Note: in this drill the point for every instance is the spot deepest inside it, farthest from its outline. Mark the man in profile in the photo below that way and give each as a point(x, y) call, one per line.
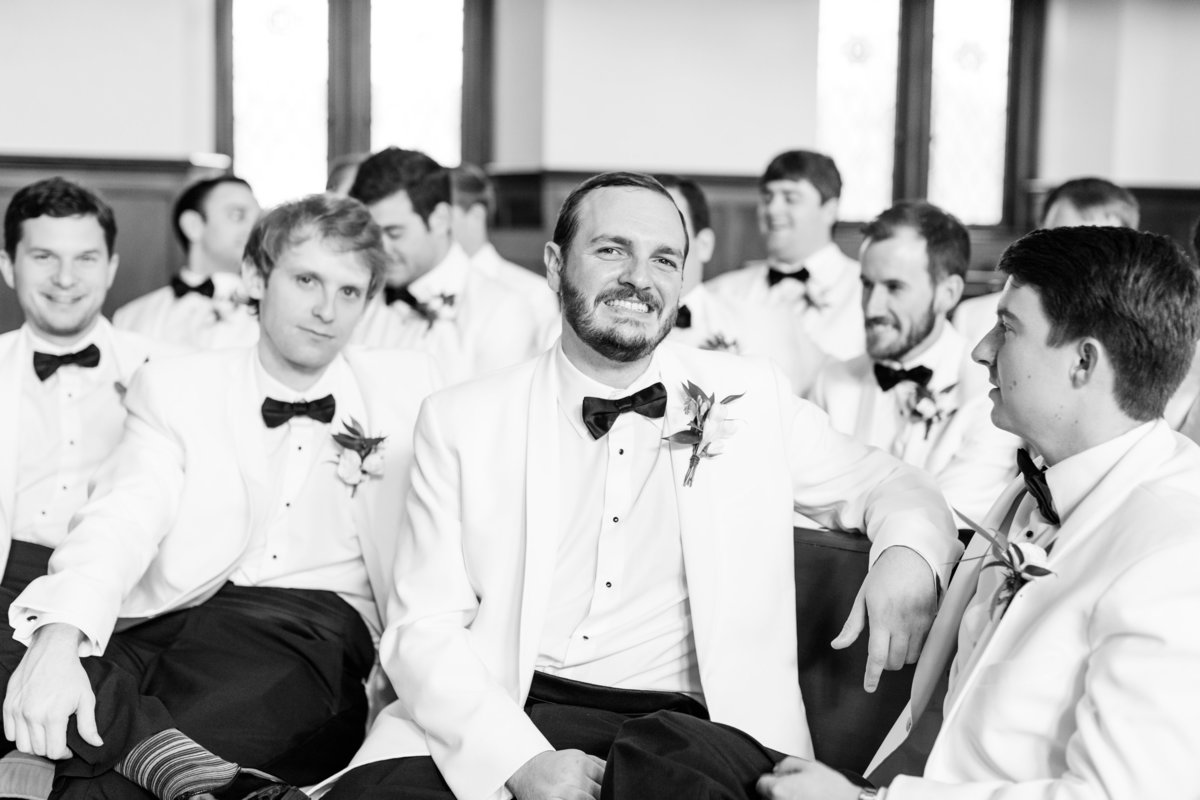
point(577, 553)
point(909, 394)
point(204, 306)
point(805, 272)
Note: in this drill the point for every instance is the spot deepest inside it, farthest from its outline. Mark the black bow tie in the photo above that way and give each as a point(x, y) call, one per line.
point(1035, 482)
point(393, 293)
point(889, 377)
point(276, 412)
point(774, 276)
point(684, 318)
point(180, 287)
point(45, 364)
point(599, 414)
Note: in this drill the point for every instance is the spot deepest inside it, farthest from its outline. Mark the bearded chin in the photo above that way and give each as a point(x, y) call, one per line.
point(619, 343)
point(918, 333)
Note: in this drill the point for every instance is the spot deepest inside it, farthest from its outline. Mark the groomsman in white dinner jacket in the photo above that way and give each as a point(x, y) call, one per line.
point(1076, 680)
point(561, 557)
point(204, 305)
point(247, 524)
point(468, 322)
point(910, 394)
point(63, 374)
point(805, 274)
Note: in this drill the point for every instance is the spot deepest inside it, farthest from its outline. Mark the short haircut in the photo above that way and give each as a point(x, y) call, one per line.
point(193, 199)
point(344, 223)
point(1136, 293)
point(697, 202)
point(805, 165)
point(946, 239)
point(395, 170)
point(470, 186)
point(1096, 194)
point(55, 197)
point(567, 224)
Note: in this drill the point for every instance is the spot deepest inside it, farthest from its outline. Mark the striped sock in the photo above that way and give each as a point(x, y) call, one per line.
point(171, 766)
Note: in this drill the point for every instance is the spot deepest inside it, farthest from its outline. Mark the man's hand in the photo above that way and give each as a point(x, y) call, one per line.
point(797, 779)
point(45, 690)
point(899, 597)
point(558, 775)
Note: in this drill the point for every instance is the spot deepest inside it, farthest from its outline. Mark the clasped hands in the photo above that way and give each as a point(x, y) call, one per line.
point(558, 775)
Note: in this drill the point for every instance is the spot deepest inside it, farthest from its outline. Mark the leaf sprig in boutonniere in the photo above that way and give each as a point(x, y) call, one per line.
point(709, 424)
point(360, 458)
point(718, 341)
point(928, 406)
point(437, 307)
point(1021, 562)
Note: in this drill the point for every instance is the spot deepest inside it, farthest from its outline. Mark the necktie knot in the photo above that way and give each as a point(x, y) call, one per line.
point(1037, 486)
point(276, 412)
point(599, 414)
point(888, 377)
point(46, 364)
point(774, 276)
point(181, 287)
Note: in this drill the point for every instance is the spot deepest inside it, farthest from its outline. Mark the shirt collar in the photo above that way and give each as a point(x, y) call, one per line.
point(943, 356)
point(1071, 479)
point(333, 377)
point(826, 266)
point(448, 277)
point(100, 335)
point(573, 386)
point(225, 284)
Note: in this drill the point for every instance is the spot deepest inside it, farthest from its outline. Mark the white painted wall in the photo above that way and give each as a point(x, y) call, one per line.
point(701, 86)
point(115, 78)
point(1119, 92)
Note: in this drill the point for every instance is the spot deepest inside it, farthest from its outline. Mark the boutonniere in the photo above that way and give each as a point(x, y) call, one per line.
point(718, 342)
point(440, 306)
point(928, 406)
point(360, 458)
point(1021, 562)
point(708, 426)
point(225, 307)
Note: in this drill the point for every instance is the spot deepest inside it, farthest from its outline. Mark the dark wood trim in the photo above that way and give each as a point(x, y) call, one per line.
point(349, 77)
point(1026, 58)
point(51, 163)
point(914, 92)
point(223, 94)
point(478, 90)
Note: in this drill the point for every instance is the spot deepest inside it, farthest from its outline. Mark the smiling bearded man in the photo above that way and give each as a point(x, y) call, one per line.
point(571, 559)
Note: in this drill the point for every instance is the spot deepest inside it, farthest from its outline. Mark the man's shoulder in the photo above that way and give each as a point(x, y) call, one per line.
point(392, 365)
point(155, 297)
point(142, 347)
point(736, 281)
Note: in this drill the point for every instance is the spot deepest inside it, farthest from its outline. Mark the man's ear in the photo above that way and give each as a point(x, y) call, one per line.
point(254, 282)
point(552, 258)
point(946, 294)
point(704, 243)
point(1088, 355)
point(6, 269)
point(191, 222)
point(439, 220)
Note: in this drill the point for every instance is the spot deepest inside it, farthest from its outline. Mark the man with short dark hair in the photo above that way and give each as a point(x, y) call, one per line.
point(805, 272)
point(576, 553)
point(204, 305)
point(244, 527)
point(909, 394)
point(469, 322)
point(1070, 641)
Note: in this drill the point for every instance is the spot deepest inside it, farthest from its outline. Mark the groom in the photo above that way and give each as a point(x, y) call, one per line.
point(576, 552)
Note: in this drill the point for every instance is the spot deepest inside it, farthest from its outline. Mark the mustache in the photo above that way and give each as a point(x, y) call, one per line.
point(879, 321)
point(628, 293)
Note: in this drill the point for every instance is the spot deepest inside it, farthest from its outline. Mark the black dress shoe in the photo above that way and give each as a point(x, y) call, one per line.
point(250, 784)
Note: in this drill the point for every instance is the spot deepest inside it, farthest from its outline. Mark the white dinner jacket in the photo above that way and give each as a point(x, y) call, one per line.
point(187, 321)
point(128, 350)
point(1087, 686)
point(530, 285)
point(971, 459)
point(173, 510)
point(463, 627)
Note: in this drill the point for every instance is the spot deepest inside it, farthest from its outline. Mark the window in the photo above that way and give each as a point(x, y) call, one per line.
point(303, 81)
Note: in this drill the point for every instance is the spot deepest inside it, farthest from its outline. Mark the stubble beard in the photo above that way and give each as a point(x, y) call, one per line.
point(918, 333)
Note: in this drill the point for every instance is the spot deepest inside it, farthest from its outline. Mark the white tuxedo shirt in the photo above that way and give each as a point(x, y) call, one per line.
point(1086, 686)
point(464, 628)
point(97, 425)
point(174, 508)
point(194, 322)
point(827, 309)
point(971, 459)
point(488, 326)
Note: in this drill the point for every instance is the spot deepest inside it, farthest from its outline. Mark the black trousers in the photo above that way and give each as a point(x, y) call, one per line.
point(267, 678)
point(642, 735)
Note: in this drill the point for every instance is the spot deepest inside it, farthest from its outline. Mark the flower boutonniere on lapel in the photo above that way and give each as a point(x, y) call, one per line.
point(928, 406)
point(1021, 562)
point(440, 306)
point(360, 458)
point(708, 426)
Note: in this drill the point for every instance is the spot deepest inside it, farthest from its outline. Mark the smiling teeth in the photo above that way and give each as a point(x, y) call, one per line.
point(630, 305)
